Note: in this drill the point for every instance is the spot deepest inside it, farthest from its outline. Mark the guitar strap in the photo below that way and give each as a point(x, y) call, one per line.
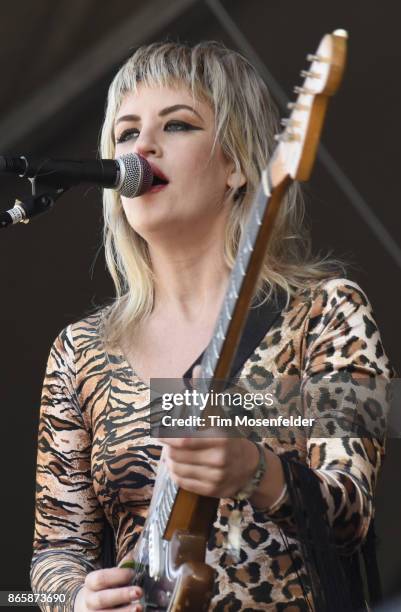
point(260, 319)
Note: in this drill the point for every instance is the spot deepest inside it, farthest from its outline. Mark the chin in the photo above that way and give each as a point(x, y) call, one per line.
point(149, 225)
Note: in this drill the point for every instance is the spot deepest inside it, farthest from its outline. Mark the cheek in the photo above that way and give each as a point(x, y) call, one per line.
point(130, 211)
point(203, 169)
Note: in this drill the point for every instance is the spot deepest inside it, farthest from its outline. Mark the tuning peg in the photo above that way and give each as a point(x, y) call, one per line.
point(309, 74)
point(303, 90)
point(287, 136)
point(286, 121)
point(311, 57)
point(297, 106)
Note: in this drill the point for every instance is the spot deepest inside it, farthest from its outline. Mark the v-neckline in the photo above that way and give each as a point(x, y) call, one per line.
point(259, 322)
point(123, 360)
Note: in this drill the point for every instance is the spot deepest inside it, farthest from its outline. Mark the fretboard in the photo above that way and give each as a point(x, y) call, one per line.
point(213, 351)
point(238, 273)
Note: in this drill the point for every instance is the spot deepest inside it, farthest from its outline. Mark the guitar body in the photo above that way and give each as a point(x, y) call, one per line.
point(183, 583)
point(169, 563)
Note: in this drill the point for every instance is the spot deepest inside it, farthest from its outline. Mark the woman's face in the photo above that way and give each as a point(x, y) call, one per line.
point(175, 133)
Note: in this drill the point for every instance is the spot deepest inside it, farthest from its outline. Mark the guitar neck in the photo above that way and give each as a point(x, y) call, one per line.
point(219, 355)
point(179, 509)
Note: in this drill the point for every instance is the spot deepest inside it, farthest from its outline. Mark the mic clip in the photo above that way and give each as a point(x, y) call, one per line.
point(42, 200)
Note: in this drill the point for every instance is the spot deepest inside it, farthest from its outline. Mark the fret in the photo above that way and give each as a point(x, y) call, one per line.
point(216, 352)
point(165, 506)
point(233, 292)
point(171, 492)
point(261, 200)
point(241, 266)
point(237, 279)
point(218, 343)
point(209, 369)
point(248, 246)
point(164, 513)
point(227, 311)
point(220, 333)
point(203, 385)
point(258, 216)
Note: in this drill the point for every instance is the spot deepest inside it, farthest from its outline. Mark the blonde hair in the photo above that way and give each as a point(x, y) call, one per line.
point(246, 121)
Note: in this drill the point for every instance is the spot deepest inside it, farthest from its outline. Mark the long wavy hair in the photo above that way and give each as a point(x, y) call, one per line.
point(245, 124)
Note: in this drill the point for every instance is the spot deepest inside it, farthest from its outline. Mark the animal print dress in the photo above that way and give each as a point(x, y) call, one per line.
point(97, 461)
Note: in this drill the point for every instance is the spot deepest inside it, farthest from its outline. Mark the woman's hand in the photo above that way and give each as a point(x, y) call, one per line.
point(106, 588)
point(215, 467)
point(221, 467)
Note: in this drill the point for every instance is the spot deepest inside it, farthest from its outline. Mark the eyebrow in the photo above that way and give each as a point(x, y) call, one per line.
point(163, 112)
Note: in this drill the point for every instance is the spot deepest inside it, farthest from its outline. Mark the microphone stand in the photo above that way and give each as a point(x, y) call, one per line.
point(42, 200)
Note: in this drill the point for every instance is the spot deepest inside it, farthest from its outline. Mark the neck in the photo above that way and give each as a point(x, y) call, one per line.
point(190, 276)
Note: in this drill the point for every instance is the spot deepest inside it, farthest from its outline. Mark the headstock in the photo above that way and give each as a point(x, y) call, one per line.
point(298, 142)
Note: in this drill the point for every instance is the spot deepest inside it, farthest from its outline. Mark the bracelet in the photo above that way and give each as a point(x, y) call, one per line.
point(276, 504)
point(255, 481)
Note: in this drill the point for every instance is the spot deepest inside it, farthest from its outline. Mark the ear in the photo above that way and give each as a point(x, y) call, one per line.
point(236, 178)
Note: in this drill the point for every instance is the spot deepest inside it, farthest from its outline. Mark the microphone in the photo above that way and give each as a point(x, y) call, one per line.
point(130, 175)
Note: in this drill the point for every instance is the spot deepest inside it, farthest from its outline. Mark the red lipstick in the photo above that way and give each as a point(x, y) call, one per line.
point(160, 181)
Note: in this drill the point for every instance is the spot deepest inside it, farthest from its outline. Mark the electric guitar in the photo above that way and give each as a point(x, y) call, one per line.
point(169, 557)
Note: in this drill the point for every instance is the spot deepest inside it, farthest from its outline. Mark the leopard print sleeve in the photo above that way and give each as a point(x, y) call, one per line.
point(344, 344)
point(343, 371)
point(68, 520)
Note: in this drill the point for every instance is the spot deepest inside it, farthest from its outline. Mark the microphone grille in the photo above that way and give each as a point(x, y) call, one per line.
point(137, 175)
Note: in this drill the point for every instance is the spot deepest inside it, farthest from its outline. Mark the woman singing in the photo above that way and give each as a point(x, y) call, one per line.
point(204, 121)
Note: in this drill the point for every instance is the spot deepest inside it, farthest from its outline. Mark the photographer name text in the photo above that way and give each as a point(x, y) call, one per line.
point(238, 421)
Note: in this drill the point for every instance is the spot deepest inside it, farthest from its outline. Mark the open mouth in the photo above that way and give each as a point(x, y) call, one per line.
point(158, 180)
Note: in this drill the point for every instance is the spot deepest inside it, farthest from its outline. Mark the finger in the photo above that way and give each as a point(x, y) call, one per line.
point(197, 472)
point(132, 607)
point(193, 443)
point(109, 598)
point(196, 376)
point(107, 578)
point(206, 489)
point(197, 372)
point(216, 457)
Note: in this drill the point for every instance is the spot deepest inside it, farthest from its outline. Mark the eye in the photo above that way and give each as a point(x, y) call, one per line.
point(127, 135)
point(179, 126)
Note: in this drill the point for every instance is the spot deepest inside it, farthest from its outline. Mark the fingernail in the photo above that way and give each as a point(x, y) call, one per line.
point(134, 592)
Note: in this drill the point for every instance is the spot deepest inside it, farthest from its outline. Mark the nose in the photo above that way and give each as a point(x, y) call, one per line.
point(147, 144)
